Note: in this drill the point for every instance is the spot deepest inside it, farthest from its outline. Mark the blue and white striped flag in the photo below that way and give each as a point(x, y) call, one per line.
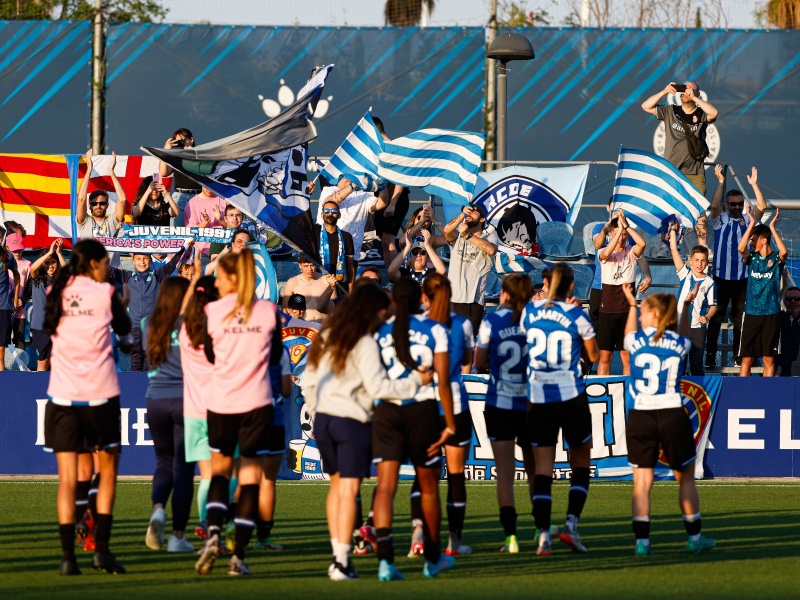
point(357, 157)
point(442, 162)
point(649, 188)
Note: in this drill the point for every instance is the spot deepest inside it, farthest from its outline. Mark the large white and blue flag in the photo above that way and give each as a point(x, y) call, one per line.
point(649, 189)
point(357, 157)
point(443, 162)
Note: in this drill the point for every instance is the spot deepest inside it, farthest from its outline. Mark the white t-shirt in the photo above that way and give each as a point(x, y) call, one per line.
point(619, 268)
point(355, 210)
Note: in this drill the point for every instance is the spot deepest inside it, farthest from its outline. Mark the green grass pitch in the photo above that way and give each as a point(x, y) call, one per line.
point(756, 526)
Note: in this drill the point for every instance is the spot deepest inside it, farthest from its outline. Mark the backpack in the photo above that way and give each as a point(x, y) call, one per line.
point(698, 149)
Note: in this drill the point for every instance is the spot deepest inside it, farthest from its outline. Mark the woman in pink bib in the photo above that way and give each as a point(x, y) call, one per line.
point(241, 332)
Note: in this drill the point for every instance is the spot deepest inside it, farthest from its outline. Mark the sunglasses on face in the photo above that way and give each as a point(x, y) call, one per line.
point(330, 211)
point(735, 204)
point(98, 203)
point(792, 298)
point(418, 251)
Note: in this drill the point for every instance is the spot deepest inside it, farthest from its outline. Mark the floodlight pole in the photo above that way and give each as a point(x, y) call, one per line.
point(502, 111)
point(98, 81)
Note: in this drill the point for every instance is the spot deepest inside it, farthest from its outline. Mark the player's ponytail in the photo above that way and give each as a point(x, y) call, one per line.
point(437, 288)
point(406, 294)
point(519, 288)
point(243, 267)
point(559, 281)
point(161, 322)
point(80, 263)
point(194, 313)
point(666, 309)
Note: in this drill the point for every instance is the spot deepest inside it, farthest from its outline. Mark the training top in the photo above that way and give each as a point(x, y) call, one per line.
point(764, 284)
point(461, 339)
point(241, 352)
point(197, 376)
point(82, 365)
point(555, 335)
point(351, 394)
point(508, 363)
point(706, 295)
point(165, 381)
point(426, 338)
point(656, 368)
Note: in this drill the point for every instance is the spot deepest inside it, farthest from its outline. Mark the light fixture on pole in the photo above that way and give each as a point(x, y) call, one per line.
point(505, 48)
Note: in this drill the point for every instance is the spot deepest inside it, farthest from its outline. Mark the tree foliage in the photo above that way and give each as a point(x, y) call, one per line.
point(783, 14)
point(405, 13)
point(119, 11)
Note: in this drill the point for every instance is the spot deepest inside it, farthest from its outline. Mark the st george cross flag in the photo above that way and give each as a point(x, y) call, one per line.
point(357, 157)
point(262, 171)
point(649, 188)
point(442, 162)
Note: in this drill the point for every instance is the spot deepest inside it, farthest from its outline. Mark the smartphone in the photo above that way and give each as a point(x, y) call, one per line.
point(680, 87)
point(156, 177)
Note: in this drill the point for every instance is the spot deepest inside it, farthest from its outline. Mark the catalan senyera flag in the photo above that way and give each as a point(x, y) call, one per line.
point(39, 191)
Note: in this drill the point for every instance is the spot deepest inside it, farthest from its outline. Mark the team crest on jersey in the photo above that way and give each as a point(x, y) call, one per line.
point(697, 402)
point(516, 205)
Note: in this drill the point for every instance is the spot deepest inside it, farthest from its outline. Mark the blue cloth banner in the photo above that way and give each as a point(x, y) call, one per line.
point(266, 278)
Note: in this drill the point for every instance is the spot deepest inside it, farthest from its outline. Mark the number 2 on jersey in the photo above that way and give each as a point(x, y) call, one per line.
point(557, 346)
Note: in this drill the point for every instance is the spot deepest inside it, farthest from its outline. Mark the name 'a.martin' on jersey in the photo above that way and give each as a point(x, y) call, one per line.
point(656, 368)
point(426, 338)
point(555, 335)
point(508, 363)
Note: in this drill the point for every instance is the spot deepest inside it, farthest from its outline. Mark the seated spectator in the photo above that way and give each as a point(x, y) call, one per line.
point(233, 218)
point(355, 205)
point(335, 248)
point(142, 285)
point(15, 245)
point(761, 325)
point(618, 266)
point(692, 275)
point(154, 204)
point(97, 223)
point(417, 260)
point(422, 218)
point(790, 334)
point(317, 289)
point(43, 271)
point(200, 212)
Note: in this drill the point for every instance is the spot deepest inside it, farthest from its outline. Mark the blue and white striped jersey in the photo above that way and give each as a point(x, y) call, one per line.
point(727, 235)
point(555, 335)
point(461, 340)
point(508, 363)
point(426, 338)
point(656, 368)
point(706, 294)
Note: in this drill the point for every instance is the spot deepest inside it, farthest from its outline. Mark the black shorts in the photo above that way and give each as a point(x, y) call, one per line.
point(5, 326)
point(463, 434)
point(595, 299)
point(42, 343)
point(504, 425)
point(83, 428)
point(406, 432)
point(393, 224)
point(670, 427)
point(276, 444)
point(250, 430)
point(760, 335)
point(611, 331)
point(572, 417)
point(345, 445)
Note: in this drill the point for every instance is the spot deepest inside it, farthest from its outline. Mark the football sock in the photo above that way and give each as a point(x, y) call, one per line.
point(217, 505)
point(103, 532)
point(245, 519)
point(542, 501)
point(81, 499)
point(692, 523)
point(264, 528)
point(578, 491)
point(385, 548)
point(641, 528)
point(508, 519)
point(67, 534)
point(341, 553)
point(93, 494)
point(456, 502)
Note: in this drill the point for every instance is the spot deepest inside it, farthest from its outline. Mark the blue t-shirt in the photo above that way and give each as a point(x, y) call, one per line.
point(426, 338)
point(508, 363)
point(6, 296)
point(763, 284)
point(555, 335)
point(461, 340)
point(656, 369)
point(38, 302)
point(166, 381)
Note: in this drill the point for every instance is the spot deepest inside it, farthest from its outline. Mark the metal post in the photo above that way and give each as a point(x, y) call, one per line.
point(98, 81)
point(491, 91)
point(502, 107)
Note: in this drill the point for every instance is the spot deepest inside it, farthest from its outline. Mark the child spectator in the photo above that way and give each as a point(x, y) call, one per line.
point(15, 246)
point(9, 297)
point(143, 284)
point(43, 271)
point(618, 264)
point(761, 325)
point(704, 305)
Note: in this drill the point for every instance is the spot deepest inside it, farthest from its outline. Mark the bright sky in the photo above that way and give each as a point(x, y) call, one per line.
point(369, 13)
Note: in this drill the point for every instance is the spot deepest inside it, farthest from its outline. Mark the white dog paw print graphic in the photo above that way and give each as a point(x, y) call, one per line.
point(286, 96)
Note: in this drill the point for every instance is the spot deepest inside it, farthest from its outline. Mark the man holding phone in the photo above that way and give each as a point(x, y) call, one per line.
point(685, 129)
point(184, 188)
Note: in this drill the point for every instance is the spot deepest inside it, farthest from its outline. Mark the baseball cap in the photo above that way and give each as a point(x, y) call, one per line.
point(297, 301)
point(14, 242)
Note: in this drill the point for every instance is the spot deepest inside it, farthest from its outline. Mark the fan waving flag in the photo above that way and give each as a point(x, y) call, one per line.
point(357, 157)
point(649, 188)
point(262, 171)
point(442, 162)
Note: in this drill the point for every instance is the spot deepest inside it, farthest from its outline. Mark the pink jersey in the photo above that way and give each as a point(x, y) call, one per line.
point(82, 365)
point(197, 376)
point(241, 350)
point(24, 269)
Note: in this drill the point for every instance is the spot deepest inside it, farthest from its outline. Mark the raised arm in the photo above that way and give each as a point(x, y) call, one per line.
point(394, 268)
point(122, 199)
point(198, 273)
point(650, 105)
point(599, 238)
point(706, 107)
point(719, 192)
point(677, 259)
point(437, 261)
point(761, 202)
point(450, 231)
point(631, 325)
point(782, 250)
point(83, 191)
point(37, 264)
point(744, 250)
point(138, 208)
point(638, 249)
